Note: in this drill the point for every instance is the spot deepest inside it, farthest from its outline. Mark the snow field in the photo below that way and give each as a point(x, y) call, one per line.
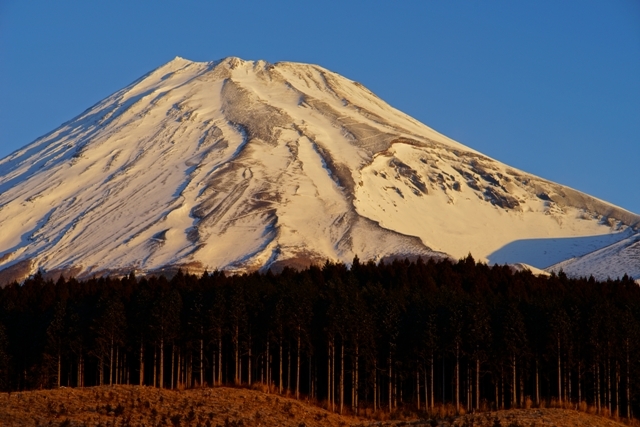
point(238, 165)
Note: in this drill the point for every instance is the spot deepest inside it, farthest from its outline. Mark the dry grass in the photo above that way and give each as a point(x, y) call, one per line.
point(147, 406)
point(234, 407)
point(535, 418)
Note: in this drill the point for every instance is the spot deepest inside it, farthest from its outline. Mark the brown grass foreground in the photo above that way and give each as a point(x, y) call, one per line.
point(147, 406)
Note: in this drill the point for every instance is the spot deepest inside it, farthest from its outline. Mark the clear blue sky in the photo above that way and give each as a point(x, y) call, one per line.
point(550, 87)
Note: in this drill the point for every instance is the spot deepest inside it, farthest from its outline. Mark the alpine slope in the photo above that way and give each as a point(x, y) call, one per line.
point(245, 165)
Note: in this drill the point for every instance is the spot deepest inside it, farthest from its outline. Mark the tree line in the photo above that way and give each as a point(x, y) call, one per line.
point(377, 336)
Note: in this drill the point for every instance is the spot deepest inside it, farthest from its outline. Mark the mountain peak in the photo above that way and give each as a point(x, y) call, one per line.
point(245, 165)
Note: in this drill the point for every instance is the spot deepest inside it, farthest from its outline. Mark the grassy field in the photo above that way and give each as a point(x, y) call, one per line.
point(147, 406)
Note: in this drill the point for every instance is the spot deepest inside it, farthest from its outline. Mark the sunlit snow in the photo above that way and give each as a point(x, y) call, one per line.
point(242, 165)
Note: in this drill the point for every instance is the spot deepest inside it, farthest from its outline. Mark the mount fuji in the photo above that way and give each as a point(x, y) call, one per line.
point(245, 165)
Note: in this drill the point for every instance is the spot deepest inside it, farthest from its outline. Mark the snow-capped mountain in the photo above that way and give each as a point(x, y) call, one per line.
point(243, 165)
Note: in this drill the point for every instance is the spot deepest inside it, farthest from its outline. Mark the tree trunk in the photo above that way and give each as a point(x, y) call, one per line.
point(477, 383)
point(220, 357)
point(155, 366)
point(426, 388)
point(81, 371)
point(173, 363)
point(443, 382)
point(162, 362)
point(179, 370)
point(356, 379)
point(267, 361)
point(579, 381)
point(141, 382)
point(628, 385)
point(597, 369)
point(432, 383)
point(569, 393)
point(457, 378)
point(609, 384)
point(312, 381)
point(537, 384)
point(329, 373)
point(375, 385)
point(390, 383)
point(353, 381)
point(117, 365)
point(514, 400)
point(280, 373)
point(288, 368)
point(617, 402)
point(333, 374)
point(298, 367)
point(559, 372)
point(521, 387)
point(418, 386)
point(59, 367)
point(502, 388)
point(101, 364)
point(111, 365)
point(395, 392)
point(471, 383)
point(469, 387)
point(201, 360)
point(341, 376)
point(236, 344)
point(249, 364)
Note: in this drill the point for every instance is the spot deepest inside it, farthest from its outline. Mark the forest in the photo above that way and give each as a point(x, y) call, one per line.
point(378, 336)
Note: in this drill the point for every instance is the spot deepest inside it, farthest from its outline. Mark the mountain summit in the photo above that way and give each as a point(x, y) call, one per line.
point(243, 165)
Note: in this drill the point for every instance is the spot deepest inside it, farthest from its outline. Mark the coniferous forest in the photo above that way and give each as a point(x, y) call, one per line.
point(384, 336)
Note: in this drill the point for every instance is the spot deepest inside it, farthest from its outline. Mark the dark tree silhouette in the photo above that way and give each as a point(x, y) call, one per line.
point(376, 336)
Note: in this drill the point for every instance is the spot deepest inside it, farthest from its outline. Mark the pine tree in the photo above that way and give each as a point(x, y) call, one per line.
point(165, 315)
point(57, 341)
point(4, 359)
point(109, 329)
point(478, 340)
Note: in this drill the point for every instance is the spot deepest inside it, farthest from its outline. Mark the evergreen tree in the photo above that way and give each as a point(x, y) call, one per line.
point(4, 359)
point(56, 343)
point(165, 315)
point(109, 331)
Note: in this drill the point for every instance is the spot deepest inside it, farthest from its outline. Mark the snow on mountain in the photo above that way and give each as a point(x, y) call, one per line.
point(242, 165)
point(607, 262)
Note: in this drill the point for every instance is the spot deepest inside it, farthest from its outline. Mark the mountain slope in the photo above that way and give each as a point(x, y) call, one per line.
point(241, 165)
point(606, 262)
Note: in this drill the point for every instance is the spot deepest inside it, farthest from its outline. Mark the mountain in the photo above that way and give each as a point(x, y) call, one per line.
point(607, 262)
point(244, 165)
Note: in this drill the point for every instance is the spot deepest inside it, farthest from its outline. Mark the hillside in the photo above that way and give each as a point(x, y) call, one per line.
point(145, 406)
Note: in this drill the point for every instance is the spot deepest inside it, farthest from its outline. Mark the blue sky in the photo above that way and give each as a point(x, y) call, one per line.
point(550, 87)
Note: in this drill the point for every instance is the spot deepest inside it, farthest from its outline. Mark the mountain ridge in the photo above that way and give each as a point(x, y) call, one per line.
point(245, 165)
